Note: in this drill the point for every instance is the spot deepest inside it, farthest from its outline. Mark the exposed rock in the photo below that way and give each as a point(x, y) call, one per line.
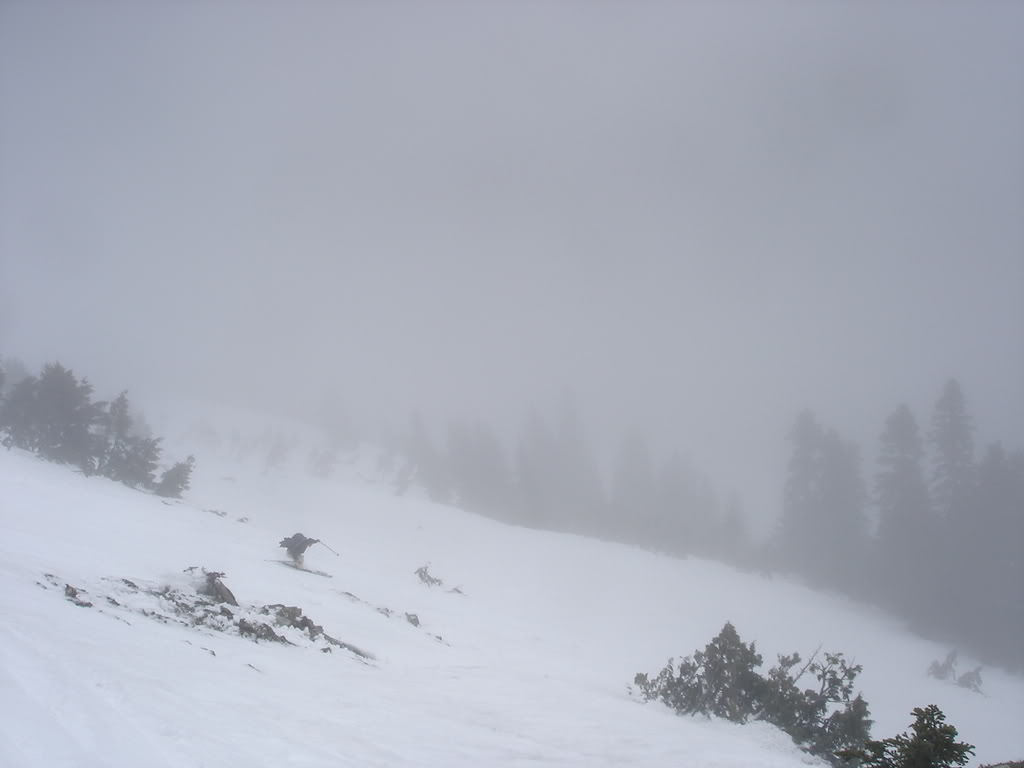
point(71, 593)
point(260, 631)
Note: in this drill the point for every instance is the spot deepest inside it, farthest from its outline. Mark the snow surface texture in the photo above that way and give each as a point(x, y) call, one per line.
point(529, 664)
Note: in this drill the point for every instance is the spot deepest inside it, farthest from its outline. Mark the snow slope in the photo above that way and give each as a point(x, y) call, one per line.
point(530, 666)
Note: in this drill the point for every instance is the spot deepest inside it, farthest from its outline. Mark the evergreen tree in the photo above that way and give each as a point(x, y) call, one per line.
point(479, 470)
point(932, 745)
point(795, 534)
point(535, 459)
point(14, 371)
point(843, 548)
point(176, 480)
point(634, 504)
point(19, 415)
point(953, 490)
point(734, 544)
point(128, 456)
point(823, 531)
point(684, 530)
point(723, 680)
point(141, 462)
point(952, 445)
point(905, 542)
point(66, 416)
point(1014, 518)
point(993, 616)
point(117, 425)
point(576, 481)
point(428, 463)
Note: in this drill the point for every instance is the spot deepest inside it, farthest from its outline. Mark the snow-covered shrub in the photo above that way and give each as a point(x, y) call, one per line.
point(932, 745)
point(722, 680)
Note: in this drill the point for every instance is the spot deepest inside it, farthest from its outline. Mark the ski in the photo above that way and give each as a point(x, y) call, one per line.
point(294, 567)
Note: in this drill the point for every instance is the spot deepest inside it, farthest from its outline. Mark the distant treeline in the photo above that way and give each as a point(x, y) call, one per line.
point(936, 537)
point(552, 480)
point(947, 552)
point(54, 416)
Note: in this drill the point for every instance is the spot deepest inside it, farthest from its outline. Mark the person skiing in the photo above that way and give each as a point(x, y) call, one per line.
point(296, 546)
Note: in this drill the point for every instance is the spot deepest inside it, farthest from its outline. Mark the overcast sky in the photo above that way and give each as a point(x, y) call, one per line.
point(698, 217)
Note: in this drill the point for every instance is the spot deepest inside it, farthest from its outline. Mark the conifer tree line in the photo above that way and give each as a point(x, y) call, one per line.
point(551, 479)
point(946, 547)
point(933, 533)
point(54, 416)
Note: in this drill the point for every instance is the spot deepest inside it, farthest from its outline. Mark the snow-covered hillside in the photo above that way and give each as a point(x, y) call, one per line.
point(529, 663)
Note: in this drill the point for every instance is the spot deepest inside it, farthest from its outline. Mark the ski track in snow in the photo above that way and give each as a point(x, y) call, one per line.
point(532, 668)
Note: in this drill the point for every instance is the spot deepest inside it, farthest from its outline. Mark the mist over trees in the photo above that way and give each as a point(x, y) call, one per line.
point(946, 550)
point(54, 416)
point(935, 536)
point(551, 478)
point(928, 530)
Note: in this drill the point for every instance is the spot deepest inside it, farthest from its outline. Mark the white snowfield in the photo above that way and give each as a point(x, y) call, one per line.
point(530, 666)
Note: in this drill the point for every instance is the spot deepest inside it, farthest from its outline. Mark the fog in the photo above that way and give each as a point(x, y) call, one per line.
point(696, 218)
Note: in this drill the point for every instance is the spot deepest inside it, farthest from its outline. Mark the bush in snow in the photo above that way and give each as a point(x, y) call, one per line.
point(722, 680)
point(932, 745)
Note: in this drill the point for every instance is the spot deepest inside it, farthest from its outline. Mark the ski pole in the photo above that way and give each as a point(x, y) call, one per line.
point(335, 553)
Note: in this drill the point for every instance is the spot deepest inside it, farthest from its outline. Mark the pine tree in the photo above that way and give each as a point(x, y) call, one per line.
point(576, 481)
point(795, 533)
point(905, 543)
point(823, 530)
point(117, 425)
point(686, 527)
point(932, 745)
point(176, 480)
point(952, 443)
point(534, 475)
point(633, 498)
point(428, 463)
point(479, 470)
point(993, 617)
point(13, 371)
point(843, 547)
point(734, 538)
point(141, 462)
point(953, 490)
point(19, 415)
point(66, 416)
point(128, 456)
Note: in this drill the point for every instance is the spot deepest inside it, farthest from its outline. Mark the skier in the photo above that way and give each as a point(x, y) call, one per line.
point(296, 545)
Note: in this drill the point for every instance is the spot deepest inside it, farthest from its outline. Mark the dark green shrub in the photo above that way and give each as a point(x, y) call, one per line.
point(932, 745)
point(722, 680)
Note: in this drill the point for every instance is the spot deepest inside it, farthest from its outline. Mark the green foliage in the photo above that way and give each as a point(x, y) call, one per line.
point(932, 745)
point(722, 680)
